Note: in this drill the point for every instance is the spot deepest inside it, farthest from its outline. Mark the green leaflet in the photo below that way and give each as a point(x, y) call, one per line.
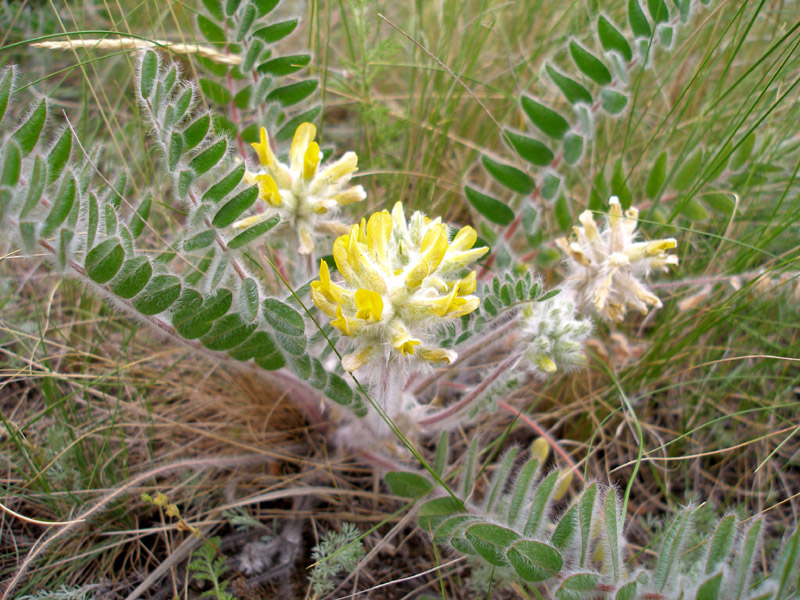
point(158, 295)
point(612, 39)
point(511, 177)
point(61, 207)
point(283, 318)
point(547, 120)
point(28, 133)
point(535, 561)
point(589, 64)
point(293, 93)
point(233, 209)
point(132, 277)
point(408, 485)
point(491, 541)
point(530, 149)
point(104, 260)
point(276, 32)
point(284, 65)
point(491, 208)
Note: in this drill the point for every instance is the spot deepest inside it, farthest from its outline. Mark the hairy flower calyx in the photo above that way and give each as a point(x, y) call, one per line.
point(605, 267)
point(303, 194)
point(400, 280)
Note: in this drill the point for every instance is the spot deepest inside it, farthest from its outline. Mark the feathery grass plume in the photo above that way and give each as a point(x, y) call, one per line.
point(304, 194)
point(605, 268)
point(136, 44)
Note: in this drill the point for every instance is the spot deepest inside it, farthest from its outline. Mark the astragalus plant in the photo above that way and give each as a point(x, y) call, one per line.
point(394, 330)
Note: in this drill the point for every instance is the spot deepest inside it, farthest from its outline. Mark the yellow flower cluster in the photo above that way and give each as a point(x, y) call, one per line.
point(302, 193)
point(400, 279)
point(604, 268)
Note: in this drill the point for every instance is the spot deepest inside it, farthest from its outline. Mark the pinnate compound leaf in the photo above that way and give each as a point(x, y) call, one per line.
point(233, 209)
point(638, 20)
point(549, 121)
point(589, 64)
point(491, 208)
point(511, 177)
point(276, 32)
point(578, 586)
point(28, 133)
point(491, 541)
point(408, 485)
point(61, 207)
point(104, 260)
point(293, 93)
point(433, 512)
point(535, 561)
point(208, 158)
point(251, 234)
point(132, 278)
point(612, 39)
point(283, 317)
point(530, 149)
point(573, 91)
point(158, 295)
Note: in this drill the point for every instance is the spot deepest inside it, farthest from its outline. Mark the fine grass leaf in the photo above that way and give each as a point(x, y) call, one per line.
point(589, 64)
point(547, 120)
point(491, 208)
point(408, 485)
point(511, 177)
point(535, 561)
point(104, 260)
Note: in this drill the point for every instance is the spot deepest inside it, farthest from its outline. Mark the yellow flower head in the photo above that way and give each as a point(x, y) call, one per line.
point(401, 278)
point(605, 267)
point(305, 195)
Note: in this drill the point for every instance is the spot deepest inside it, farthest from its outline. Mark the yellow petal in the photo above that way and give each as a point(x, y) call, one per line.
point(379, 229)
point(356, 360)
point(344, 324)
point(341, 259)
point(321, 299)
point(370, 305)
point(262, 148)
point(350, 195)
point(405, 346)
point(439, 355)
point(306, 241)
point(468, 284)
point(465, 239)
point(268, 190)
point(303, 136)
point(310, 161)
point(343, 167)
